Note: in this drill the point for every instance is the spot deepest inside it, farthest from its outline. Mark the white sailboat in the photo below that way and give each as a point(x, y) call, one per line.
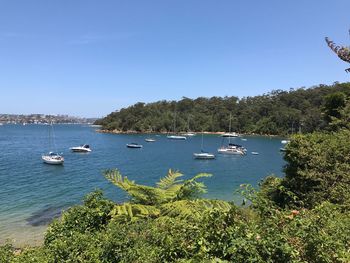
point(189, 133)
point(52, 157)
point(231, 148)
point(203, 155)
point(176, 137)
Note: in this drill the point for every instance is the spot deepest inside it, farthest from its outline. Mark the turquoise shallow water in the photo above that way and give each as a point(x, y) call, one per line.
point(32, 192)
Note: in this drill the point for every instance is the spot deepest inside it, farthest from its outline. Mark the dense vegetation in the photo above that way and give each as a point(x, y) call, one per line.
point(303, 217)
point(278, 112)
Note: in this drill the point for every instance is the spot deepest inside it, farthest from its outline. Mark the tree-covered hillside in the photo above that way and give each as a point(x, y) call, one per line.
point(278, 112)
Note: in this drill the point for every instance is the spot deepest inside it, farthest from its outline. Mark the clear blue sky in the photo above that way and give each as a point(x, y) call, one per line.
point(88, 58)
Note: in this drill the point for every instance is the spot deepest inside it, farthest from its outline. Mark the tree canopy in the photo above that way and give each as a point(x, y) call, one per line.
point(276, 113)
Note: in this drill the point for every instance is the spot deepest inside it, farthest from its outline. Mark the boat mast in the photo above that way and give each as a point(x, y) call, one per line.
point(202, 143)
point(229, 130)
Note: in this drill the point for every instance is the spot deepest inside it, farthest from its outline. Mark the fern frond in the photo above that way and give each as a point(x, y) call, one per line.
point(191, 189)
point(169, 180)
point(141, 194)
point(193, 209)
point(132, 212)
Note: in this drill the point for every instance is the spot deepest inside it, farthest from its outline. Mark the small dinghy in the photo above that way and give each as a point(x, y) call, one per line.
point(255, 153)
point(150, 140)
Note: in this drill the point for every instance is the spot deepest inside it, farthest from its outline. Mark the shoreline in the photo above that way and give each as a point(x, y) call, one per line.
point(130, 132)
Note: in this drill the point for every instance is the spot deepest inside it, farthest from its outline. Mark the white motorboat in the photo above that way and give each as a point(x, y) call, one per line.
point(176, 137)
point(134, 145)
point(285, 141)
point(81, 148)
point(255, 153)
point(150, 140)
point(53, 158)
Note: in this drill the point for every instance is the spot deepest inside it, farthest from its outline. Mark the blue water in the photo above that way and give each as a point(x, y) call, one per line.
point(32, 192)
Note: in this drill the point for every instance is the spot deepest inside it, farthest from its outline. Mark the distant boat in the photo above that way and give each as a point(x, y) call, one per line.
point(243, 139)
point(189, 134)
point(176, 137)
point(231, 148)
point(230, 134)
point(81, 148)
point(283, 149)
point(134, 145)
point(285, 141)
point(203, 155)
point(150, 140)
point(255, 153)
point(52, 157)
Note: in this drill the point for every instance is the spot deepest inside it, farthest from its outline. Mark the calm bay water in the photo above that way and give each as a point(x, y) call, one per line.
point(32, 192)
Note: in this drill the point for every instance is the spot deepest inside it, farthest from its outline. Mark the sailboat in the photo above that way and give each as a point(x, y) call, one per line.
point(189, 133)
point(231, 148)
point(203, 154)
point(52, 157)
point(176, 137)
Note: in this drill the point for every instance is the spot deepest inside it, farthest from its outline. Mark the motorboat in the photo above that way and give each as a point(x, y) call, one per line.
point(150, 140)
point(53, 158)
point(176, 137)
point(134, 145)
point(285, 141)
point(81, 148)
point(255, 153)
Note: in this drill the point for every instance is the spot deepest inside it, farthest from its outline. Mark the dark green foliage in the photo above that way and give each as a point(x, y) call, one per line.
point(92, 216)
point(278, 112)
point(6, 253)
point(333, 104)
point(318, 170)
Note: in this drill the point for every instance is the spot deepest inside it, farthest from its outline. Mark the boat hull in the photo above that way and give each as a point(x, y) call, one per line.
point(81, 150)
point(134, 146)
point(55, 161)
point(175, 137)
point(204, 156)
point(230, 152)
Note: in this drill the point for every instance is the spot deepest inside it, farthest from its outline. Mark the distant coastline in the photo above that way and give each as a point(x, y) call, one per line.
point(184, 132)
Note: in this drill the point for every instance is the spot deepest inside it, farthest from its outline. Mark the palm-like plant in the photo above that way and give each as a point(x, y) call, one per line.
point(172, 197)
